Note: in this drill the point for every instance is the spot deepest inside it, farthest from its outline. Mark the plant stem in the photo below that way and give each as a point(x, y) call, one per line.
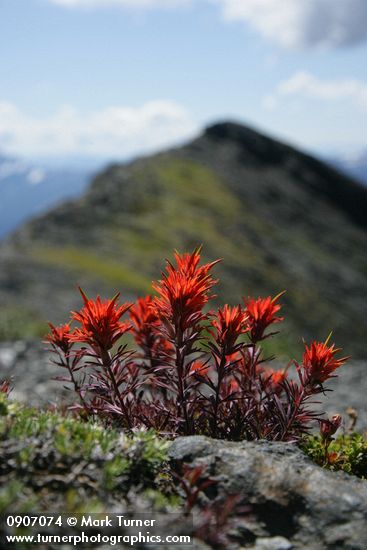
point(180, 359)
point(296, 408)
point(76, 385)
point(106, 361)
point(220, 377)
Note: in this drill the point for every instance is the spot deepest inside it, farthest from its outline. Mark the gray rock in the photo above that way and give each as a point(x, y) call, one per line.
point(30, 368)
point(273, 543)
point(295, 503)
point(349, 390)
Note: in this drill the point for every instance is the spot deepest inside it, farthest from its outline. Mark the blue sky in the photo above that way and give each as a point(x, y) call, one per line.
point(104, 79)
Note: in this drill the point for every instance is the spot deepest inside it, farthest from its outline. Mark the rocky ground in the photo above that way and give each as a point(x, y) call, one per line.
point(30, 366)
point(294, 504)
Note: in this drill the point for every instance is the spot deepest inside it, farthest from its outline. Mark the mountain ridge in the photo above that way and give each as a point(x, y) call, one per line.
point(346, 197)
point(355, 166)
point(278, 217)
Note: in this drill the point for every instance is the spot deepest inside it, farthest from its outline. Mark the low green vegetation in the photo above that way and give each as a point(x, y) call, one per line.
point(97, 267)
point(18, 323)
point(347, 453)
point(49, 457)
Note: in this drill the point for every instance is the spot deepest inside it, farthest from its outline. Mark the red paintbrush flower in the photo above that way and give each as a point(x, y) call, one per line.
point(233, 385)
point(100, 322)
point(319, 362)
point(261, 313)
point(144, 320)
point(60, 337)
point(229, 324)
point(188, 264)
point(198, 367)
point(184, 290)
point(274, 379)
point(146, 331)
point(329, 427)
point(5, 387)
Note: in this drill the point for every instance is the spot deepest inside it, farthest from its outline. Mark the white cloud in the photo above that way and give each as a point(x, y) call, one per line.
point(305, 85)
point(302, 23)
point(116, 131)
point(290, 23)
point(11, 167)
point(36, 176)
point(136, 4)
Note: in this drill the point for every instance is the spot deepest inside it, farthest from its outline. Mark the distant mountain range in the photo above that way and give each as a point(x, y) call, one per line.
point(279, 218)
point(27, 190)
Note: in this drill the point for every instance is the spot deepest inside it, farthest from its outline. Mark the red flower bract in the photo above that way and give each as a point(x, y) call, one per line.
point(274, 379)
point(184, 290)
point(59, 337)
point(5, 387)
point(319, 362)
point(198, 367)
point(100, 322)
point(261, 313)
point(229, 324)
point(329, 427)
point(145, 328)
point(144, 320)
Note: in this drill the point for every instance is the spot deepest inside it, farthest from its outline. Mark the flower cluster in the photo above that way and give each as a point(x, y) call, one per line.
point(59, 337)
point(319, 362)
point(183, 291)
point(195, 370)
point(229, 324)
point(100, 324)
point(261, 314)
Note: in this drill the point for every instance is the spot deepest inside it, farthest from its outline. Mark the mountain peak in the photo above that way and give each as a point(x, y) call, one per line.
point(280, 218)
point(251, 141)
point(229, 129)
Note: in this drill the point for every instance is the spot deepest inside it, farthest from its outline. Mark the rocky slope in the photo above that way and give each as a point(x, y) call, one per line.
point(280, 220)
